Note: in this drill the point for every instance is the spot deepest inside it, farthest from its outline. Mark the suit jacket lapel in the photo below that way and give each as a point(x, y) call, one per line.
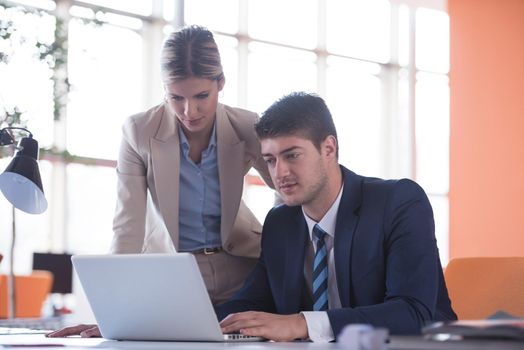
point(165, 155)
point(230, 170)
point(347, 220)
point(296, 242)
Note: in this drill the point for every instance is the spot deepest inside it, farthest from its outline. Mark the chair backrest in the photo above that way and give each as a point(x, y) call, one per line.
point(479, 287)
point(30, 293)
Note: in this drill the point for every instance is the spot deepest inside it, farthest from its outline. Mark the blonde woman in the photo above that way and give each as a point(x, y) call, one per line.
point(181, 170)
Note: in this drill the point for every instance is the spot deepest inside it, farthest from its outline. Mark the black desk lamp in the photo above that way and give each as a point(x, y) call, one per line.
point(22, 186)
point(20, 182)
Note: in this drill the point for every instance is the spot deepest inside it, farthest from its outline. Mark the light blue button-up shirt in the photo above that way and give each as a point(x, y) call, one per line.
point(199, 200)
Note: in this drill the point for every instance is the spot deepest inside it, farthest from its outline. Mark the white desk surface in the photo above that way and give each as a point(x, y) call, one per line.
point(38, 342)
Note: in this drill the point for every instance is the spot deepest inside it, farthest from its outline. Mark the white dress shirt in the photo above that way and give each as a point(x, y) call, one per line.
point(318, 325)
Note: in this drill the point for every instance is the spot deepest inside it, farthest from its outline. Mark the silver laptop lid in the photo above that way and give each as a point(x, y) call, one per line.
point(148, 297)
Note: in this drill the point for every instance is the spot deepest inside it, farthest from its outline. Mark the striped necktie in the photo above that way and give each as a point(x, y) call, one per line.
point(320, 272)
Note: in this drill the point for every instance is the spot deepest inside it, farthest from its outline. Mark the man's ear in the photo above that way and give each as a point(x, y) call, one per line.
point(330, 146)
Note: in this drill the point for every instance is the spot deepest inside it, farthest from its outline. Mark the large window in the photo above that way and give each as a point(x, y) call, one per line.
point(381, 66)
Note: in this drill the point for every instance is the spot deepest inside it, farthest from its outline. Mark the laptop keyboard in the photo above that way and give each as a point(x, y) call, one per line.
point(241, 337)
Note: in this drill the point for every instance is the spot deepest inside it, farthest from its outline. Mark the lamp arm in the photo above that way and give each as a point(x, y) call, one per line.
point(7, 139)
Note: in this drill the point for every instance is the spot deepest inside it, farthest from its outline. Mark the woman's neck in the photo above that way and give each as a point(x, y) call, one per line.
point(198, 142)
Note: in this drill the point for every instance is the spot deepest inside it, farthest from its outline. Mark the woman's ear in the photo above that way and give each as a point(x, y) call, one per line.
point(221, 83)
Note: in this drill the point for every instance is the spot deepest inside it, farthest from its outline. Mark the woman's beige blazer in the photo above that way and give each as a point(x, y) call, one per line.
point(146, 218)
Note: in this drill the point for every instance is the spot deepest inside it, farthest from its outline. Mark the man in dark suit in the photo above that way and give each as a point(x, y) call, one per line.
point(343, 249)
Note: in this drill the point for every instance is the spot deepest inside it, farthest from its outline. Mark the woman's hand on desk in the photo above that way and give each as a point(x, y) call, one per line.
point(83, 330)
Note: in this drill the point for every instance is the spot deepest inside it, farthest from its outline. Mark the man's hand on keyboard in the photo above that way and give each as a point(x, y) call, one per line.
point(266, 325)
point(83, 330)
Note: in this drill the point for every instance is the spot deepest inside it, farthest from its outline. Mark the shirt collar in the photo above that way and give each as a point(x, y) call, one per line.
point(329, 221)
point(212, 137)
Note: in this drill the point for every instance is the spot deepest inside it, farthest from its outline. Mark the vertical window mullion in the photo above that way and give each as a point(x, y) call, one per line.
point(412, 80)
point(243, 54)
point(321, 48)
point(178, 16)
point(58, 193)
point(152, 40)
point(390, 113)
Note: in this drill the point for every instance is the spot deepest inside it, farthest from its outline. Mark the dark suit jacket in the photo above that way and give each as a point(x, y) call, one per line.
point(386, 259)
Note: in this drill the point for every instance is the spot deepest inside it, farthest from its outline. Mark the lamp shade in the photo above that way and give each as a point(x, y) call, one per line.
point(21, 183)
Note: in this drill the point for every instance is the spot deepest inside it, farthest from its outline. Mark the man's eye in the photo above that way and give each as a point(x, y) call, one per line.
point(269, 161)
point(292, 156)
point(176, 98)
point(202, 96)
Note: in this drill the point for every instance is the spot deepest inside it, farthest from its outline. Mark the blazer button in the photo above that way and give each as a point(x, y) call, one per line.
point(230, 247)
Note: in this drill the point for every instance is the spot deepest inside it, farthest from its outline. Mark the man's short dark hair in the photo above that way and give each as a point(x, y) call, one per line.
point(301, 114)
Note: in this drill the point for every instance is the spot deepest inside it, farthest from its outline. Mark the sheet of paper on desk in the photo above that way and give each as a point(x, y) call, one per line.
point(31, 346)
point(492, 328)
point(13, 331)
point(39, 340)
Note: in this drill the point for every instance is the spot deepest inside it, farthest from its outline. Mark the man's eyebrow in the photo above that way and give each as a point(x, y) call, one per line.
point(292, 148)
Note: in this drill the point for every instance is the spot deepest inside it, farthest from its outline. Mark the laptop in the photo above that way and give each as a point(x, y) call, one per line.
point(150, 297)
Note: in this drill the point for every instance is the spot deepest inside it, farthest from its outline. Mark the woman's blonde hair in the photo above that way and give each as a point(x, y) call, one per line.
point(190, 52)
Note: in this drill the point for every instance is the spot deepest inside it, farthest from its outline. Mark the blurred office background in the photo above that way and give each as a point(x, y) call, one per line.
point(383, 67)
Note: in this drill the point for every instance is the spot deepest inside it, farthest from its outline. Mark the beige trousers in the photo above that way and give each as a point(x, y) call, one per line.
point(223, 274)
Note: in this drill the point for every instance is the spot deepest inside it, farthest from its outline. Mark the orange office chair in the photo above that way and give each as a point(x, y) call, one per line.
point(479, 287)
point(30, 293)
